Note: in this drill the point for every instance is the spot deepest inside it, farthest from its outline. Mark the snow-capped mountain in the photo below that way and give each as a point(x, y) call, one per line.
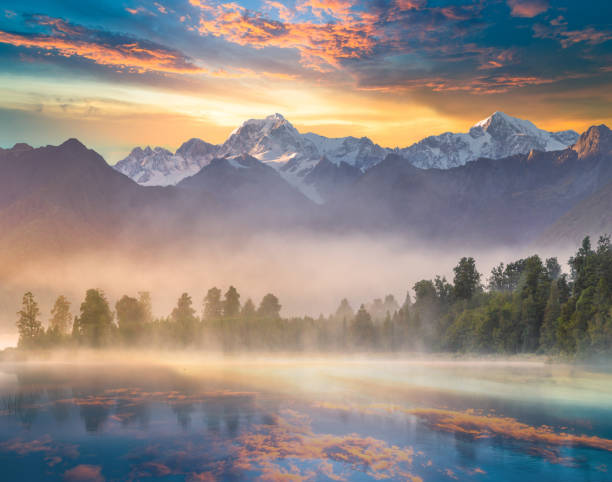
point(160, 167)
point(495, 137)
point(274, 141)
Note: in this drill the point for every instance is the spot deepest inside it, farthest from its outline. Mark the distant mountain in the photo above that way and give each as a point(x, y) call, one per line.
point(495, 137)
point(160, 167)
point(245, 184)
point(506, 201)
point(60, 196)
point(295, 156)
point(275, 141)
point(53, 195)
point(593, 215)
point(63, 198)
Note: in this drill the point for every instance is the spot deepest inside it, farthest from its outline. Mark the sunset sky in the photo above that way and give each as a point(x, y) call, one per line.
point(117, 74)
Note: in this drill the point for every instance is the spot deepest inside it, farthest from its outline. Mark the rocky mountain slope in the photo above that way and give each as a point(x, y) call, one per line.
point(295, 156)
point(495, 137)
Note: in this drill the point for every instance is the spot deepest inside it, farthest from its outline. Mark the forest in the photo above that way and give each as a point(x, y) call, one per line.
point(526, 306)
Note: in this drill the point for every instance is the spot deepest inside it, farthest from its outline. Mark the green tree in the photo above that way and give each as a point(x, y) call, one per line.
point(231, 303)
point(467, 278)
point(131, 317)
point(363, 328)
point(269, 307)
point(213, 306)
point(552, 312)
point(185, 320)
point(95, 323)
point(29, 326)
point(553, 268)
point(61, 319)
point(344, 312)
point(248, 310)
point(144, 298)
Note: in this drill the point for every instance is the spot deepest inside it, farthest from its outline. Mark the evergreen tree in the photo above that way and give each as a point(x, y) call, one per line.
point(552, 312)
point(131, 317)
point(344, 311)
point(61, 319)
point(553, 268)
point(467, 278)
point(144, 298)
point(96, 319)
point(231, 303)
point(213, 306)
point(269, 307)
point(185, 320)
point(248, 310)
point(28, 325)
point(363, 328)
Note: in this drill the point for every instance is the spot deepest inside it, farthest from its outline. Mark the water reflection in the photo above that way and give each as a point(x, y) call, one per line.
point(133, 423)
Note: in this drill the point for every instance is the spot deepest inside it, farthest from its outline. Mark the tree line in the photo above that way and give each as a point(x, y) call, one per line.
point(526, 306)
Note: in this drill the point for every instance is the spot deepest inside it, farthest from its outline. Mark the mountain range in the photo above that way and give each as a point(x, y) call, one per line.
point(61, 198)
point(316, 165)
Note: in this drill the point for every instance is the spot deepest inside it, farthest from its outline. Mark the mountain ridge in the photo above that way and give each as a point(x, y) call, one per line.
point(274, 140)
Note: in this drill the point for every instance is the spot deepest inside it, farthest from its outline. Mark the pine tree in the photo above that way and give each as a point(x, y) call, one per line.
point(96, 319)
point(467, 278)
point(131, 315)
point(248, 310)
point(548, 333)
point(61, 318)
point(185, 320)
point(28, 324)
point(231, 303)
point(269, 307)
point(213, 307)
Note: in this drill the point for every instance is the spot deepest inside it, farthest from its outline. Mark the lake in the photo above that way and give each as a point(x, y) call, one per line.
point(304, 419)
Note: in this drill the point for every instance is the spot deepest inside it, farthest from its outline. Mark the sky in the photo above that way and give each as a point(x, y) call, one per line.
point(117, 74)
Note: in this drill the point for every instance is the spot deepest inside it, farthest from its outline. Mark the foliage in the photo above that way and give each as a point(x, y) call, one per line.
point(528, 306)
point(29, 326)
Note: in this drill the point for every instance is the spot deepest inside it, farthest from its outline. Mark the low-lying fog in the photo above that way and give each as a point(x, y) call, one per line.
point(310, 275)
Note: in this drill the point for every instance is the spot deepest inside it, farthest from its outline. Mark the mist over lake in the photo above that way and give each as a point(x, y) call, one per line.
point(304, 418)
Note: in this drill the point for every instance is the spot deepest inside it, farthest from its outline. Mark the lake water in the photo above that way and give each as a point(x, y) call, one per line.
point(329, 419)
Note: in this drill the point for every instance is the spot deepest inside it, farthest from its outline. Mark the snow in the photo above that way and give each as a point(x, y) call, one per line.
point(274, 141)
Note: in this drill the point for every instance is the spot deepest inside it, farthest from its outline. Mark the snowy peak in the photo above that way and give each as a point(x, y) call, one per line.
point(273, 140)
point(160, 167)
point(495, 137)
point(196, 149)
point(499, 121)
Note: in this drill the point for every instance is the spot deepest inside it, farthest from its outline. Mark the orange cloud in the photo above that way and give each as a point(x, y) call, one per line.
point(292, 438)
point(283, 12)
point(90, 473)
point(320, 45)
point(485, 426)
point(567, 38)
point(409, 4)
point(527, 8)
point(479, 426)
point(68, 40)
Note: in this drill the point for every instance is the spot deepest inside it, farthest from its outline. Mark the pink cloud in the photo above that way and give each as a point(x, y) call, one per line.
point(527, 8)
point(90, 473)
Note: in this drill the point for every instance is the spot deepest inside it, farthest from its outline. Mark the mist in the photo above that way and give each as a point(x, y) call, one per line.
point(309, 273)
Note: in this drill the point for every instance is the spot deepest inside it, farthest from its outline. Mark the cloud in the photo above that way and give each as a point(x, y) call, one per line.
point(567, 37)
point(90, 473)
point(291, 437)
point(104, 48)
point(527, 8)
point(321, 45)
point(487, 426)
